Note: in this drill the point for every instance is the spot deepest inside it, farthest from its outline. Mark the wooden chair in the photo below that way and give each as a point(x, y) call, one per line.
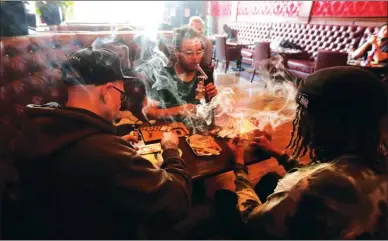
point(261, 54)
point(226, 53)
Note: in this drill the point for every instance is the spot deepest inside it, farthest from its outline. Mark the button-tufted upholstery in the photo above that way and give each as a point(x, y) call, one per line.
point(311, 38)
point(95, 27)
point(251, 32)
point(29, 73)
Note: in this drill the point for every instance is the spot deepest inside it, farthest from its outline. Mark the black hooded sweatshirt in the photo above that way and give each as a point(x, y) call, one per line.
point(79, 180)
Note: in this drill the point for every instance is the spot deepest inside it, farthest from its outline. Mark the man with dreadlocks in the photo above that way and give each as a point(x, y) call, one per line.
point(342, 193)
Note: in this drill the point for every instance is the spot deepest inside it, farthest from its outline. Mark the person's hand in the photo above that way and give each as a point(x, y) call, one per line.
point(169, 141)
point(211, 90)
point(258, 133)
point(237, 145)
point(263, 143)
point(131, 138)
point(188, 109)
point(372, 39)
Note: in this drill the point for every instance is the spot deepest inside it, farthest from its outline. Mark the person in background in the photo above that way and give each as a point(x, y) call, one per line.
point(78, 179)
point(13, 19)
point(198, 25)
point(342, 193)
point(376, 47)
point(173, 90)
point(230, 34)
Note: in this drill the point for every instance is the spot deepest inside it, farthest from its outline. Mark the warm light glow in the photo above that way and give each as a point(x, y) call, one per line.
point(140, 13)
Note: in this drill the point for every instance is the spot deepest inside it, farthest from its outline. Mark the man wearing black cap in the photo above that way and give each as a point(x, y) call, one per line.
point(78, 179)
point(343, 193)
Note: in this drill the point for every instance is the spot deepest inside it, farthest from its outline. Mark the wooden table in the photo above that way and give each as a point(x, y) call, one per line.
point(243, 44)
point(380, 70)
point(201, 167)
point(238, 44)
point(286, 52)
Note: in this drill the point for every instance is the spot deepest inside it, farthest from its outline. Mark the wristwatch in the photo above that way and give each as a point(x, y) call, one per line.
point(238, 166)
point(169, 145)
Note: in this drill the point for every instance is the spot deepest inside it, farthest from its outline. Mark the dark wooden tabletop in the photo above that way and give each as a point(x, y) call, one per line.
point(202, 167)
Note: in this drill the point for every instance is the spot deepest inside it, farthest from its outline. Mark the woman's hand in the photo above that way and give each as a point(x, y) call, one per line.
point(372, 39)
point(211, 91)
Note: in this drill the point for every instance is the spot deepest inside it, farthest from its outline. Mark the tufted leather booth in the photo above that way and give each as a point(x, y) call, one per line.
point(29, 73)
point(311, 38)
point(251, 32)
point(95, 27)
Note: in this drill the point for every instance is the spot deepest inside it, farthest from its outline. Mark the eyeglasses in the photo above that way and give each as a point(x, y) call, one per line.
point(190, 53)
point(123, 96)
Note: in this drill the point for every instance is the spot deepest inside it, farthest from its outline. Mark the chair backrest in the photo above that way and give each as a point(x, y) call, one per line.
point(326, 59)
point(262, 53)
point(220, 47)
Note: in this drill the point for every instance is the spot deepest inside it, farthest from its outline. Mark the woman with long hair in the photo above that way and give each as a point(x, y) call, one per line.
point(376, 46)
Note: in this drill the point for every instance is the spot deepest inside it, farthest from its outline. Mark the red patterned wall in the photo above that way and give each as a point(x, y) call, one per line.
point(270, 8)
point(349, 9)
point(220, 8)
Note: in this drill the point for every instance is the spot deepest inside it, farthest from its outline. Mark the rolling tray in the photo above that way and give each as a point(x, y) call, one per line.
point(153, 134)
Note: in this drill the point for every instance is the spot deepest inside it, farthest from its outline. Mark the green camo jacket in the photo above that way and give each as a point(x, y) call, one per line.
point(338, 200)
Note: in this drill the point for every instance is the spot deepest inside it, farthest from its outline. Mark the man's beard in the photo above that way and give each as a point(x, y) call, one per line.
point(185, 66)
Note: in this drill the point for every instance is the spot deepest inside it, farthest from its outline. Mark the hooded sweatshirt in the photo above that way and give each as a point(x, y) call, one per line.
point(79, 180)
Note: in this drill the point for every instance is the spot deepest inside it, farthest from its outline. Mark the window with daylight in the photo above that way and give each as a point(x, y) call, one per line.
point(129, 12)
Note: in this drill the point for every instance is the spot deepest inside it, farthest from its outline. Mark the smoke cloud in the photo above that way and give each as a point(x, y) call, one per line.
point(275, 98)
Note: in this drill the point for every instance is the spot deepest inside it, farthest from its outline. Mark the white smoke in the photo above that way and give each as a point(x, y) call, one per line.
point(276, 103)
point(276, 98)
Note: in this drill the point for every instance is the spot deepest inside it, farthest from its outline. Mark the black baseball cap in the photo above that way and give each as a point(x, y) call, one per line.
point(345, 92)
point(90, 66)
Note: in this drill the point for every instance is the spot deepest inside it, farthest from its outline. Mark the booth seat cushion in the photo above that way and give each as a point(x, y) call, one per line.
point(96, 27)
point(305, 66)
point(313, 37)
point(247, 53)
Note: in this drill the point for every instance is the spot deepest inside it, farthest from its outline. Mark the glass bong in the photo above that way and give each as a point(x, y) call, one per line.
point(201, 90)
point(204, 110)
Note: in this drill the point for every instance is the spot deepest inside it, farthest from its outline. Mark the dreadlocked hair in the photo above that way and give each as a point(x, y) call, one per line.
point(345, 136)
point(300, 139)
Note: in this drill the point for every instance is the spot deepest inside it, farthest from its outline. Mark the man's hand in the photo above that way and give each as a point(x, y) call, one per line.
point(169, 141)
point(131, 138)
point(211, 91)
point(263, 143)
point(237, 145)
point(188, 109)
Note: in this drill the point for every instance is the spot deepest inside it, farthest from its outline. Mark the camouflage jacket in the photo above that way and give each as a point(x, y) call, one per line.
point(337, 200)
